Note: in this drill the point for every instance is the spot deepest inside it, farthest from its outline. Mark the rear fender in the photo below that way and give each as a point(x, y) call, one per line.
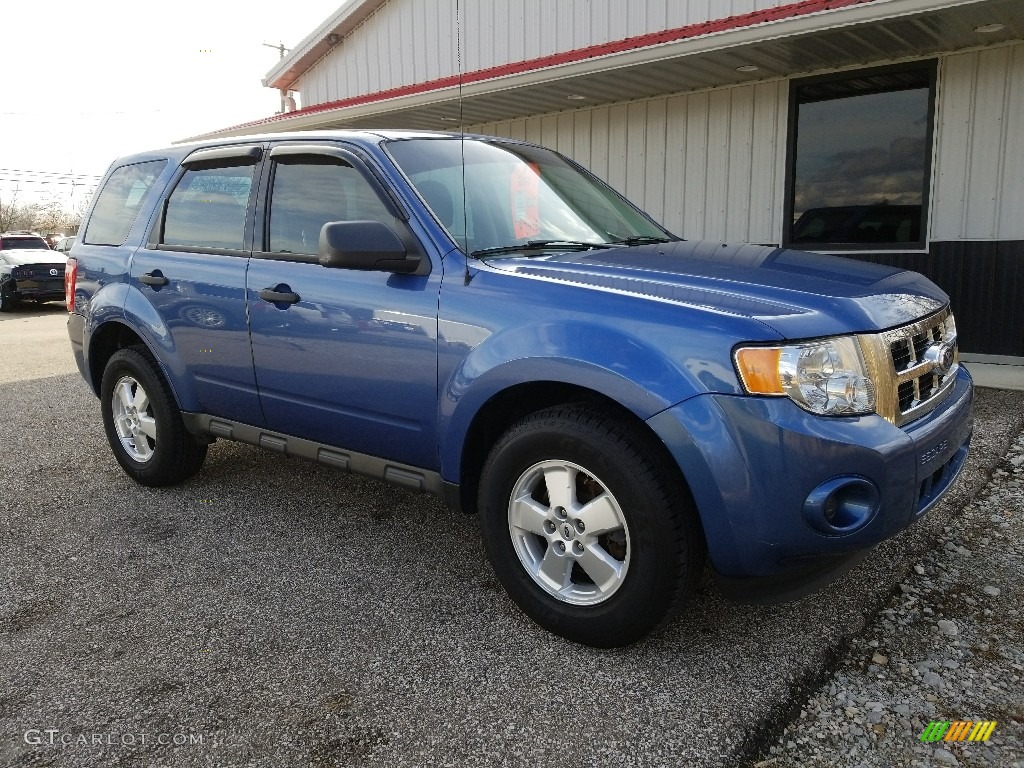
point(141, 316)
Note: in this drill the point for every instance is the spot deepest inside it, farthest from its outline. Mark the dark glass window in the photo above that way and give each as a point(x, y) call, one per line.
point(119, 202)
point(207, 208)
point(25, 243)
point(860, 160)
point(311, 191)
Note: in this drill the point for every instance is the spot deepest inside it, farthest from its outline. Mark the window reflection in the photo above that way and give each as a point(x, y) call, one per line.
point(861, 160)
point(207, 208)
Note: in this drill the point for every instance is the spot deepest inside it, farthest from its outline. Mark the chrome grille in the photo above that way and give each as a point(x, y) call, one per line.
point(913, 362)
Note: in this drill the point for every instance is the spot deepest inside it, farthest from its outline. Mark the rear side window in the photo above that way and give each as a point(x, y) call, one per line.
point(207, 208)
point(119, 202)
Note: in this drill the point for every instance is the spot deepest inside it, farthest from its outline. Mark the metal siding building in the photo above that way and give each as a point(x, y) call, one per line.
point(689, 108)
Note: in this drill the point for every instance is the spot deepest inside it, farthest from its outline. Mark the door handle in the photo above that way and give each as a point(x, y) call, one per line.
point(154, 278)
point(275, 296)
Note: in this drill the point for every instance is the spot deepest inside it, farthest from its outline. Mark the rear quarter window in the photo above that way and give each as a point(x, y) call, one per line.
point(119, 202)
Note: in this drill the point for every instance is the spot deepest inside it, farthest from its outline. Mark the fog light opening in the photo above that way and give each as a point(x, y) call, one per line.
point(841, 505)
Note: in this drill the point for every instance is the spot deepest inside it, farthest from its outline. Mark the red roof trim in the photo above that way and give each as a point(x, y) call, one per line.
point(802, 8)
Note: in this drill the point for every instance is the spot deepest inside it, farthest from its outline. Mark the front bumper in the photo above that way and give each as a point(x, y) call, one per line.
point(752, 464)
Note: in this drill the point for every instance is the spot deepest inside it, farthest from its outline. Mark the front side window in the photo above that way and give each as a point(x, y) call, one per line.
point(207, 208)
point(310, 191)
point(119, 202)
point(860, 160)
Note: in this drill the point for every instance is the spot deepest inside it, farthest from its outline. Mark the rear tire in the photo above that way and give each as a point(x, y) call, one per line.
point(143, 423)
point(587, 526)
point(7, 299)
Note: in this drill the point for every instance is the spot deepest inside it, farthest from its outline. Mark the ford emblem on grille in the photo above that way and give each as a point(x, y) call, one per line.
point(53, 272)
point(941, 356)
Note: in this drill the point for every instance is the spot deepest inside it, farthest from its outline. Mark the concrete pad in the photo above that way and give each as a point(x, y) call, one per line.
point(997, 376)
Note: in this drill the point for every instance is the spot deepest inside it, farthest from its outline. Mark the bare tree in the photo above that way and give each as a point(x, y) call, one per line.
point(10, 211)
point(50, 216)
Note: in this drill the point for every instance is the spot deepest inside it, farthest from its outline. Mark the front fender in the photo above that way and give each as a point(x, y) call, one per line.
point(615, 364)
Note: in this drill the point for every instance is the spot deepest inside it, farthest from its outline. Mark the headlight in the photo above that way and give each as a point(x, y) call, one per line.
point(827, 377)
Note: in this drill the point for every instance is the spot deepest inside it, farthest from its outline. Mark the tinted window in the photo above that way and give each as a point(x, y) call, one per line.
point(15, 243)
point(119, 202)
point(207, 208)
point(860, 159)
point(310, 192)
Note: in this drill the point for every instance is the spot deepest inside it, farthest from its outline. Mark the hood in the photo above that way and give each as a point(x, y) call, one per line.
point(795, 293)
point(19, 257)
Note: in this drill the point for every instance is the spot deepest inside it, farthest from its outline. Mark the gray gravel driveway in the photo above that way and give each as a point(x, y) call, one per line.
point(277, 613)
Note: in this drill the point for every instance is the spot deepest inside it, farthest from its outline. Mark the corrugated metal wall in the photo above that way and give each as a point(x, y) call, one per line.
point(706, 164)
point(979, 170)
point(497, 32)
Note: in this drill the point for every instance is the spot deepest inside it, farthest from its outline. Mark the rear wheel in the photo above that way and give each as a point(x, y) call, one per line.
point(587, 528)
point(143, 423)
point(7, 299)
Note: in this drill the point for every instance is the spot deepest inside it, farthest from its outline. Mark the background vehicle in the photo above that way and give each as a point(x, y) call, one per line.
point(64, 245)
point(28, 270)
point(484, 320)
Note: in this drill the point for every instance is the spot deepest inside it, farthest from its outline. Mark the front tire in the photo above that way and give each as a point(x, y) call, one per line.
point(143, 423)
point(588, 526)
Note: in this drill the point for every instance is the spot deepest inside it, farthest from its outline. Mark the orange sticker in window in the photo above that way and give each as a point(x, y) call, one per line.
point(525, 184)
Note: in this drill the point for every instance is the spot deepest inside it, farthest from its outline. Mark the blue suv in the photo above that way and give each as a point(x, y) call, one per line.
point(484, 320)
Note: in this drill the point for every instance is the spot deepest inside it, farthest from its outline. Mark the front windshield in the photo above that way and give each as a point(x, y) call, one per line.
point(516, 196)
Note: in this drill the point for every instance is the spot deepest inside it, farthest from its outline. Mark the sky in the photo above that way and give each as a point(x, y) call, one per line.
point(85, 82)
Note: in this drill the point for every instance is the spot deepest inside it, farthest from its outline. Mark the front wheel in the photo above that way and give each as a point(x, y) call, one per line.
point(143, 423)
point(587, 526)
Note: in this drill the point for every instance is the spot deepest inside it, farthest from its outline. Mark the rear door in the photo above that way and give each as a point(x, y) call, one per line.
point(350, 359)
point(192, 274)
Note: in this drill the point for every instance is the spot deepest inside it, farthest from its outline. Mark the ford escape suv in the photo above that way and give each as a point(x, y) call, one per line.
point(482, 319)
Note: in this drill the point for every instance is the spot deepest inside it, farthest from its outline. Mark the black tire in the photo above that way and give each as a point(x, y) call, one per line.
point(8, 301)
point(656, 558)
point(172, 454)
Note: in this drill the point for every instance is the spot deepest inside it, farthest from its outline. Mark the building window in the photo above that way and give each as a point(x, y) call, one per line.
point(860, 160)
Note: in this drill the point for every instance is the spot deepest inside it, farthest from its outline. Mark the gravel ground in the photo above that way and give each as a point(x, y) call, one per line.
point(948, 646)
point(277, 613)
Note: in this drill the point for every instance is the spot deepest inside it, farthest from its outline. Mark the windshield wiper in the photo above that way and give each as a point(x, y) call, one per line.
point(536, 245)
point(641, 240)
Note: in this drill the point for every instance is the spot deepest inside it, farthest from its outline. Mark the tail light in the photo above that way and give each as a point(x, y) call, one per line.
point(70, 279)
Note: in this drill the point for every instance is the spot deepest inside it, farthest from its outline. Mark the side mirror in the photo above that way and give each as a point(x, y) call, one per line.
point(366, 245)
